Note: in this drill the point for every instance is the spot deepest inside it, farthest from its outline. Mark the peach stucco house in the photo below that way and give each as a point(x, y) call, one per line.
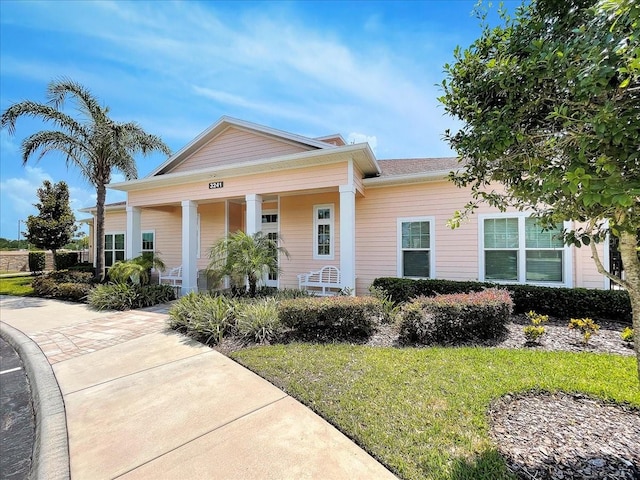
point(331, 204)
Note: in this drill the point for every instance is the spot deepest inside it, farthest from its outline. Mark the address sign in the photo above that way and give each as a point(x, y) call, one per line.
point(214, 185)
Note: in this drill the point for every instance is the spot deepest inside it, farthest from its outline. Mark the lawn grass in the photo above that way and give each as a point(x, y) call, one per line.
point(423, 412)
point(20, 286)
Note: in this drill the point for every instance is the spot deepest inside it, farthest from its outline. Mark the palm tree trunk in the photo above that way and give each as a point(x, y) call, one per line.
point(101, 192)
point(631, 263)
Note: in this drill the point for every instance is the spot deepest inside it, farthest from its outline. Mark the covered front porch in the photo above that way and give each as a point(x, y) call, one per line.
point(317, 227)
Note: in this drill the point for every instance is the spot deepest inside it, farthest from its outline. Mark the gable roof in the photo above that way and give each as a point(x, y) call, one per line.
point(226, 122)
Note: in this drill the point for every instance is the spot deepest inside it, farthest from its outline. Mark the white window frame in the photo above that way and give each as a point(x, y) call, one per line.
point(142, 249)
point(567, 255)
point(104, 252)
point(432, 245)
point(332, 231)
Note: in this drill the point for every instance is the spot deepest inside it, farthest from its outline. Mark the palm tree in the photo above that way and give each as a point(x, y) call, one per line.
point(245, 256)
point(94, 143)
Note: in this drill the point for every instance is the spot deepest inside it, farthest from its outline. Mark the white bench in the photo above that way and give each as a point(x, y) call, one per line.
point(172, 277)
point(324, 282)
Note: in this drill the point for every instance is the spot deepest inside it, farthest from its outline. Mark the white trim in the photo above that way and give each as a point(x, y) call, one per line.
point(142, 250)
point(432, 243)
point(272, 211)
point(222, 125)
point(360, 153)
point(421, 177)
point(104, 251)
point(332, 232)
point(567, 256)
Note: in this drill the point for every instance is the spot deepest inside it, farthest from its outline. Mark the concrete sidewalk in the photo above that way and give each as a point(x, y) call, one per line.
point(144, 402)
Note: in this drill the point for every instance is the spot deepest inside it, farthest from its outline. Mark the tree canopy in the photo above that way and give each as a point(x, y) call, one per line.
point(93, 142)
point(55, 223)
point(550, 105)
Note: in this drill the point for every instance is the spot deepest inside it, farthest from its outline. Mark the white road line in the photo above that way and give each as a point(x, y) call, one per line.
point(2, 372)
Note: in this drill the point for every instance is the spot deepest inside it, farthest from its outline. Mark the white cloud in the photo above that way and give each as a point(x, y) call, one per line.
point(355, 137)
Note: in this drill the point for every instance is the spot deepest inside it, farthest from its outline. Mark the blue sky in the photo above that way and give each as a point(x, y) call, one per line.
point(366, 70)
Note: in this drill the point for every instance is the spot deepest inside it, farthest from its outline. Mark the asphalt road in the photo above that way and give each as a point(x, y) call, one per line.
point(17, 427)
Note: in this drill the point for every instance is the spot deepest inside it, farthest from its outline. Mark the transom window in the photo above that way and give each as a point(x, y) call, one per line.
point(415, 247)
point(113, 248)
point(323, 228)
point(516, 249)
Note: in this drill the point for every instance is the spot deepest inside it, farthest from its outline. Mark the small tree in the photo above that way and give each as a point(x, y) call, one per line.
point(551, 109)
point(245, 256)
point(54, 226)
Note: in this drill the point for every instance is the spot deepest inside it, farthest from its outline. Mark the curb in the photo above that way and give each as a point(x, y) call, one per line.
point(51, 449)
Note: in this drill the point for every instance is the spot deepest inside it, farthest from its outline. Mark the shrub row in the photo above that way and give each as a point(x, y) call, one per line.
point(335, 317)
point(455, 317)
point(558, 302)
point(63, 285)
point(125, 296)
point(209, 318)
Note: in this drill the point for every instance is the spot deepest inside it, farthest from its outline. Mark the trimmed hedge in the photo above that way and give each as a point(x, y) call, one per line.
point(63, 285)
point(558, 302)
point(66, 260)
point(331, 317)
point(37, 261)
point(456, 317)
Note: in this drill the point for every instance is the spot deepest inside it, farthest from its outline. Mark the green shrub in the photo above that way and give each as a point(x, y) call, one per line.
point(123, 296)
point(37, 261)
point(258, 320)
point(456, 317)
point(203, 316)
point(331, 317)
point(63, 285)
point(534, 331)
point(557, 302)
point(586, 326)
point(65, 260)
point(627, 335)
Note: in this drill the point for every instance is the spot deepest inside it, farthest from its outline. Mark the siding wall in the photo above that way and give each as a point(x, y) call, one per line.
point(296, 230)
point(306, 178)
point(235, 146)
point(456, 251)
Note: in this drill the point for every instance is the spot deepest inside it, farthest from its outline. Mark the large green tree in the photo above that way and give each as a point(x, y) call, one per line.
point(54, 225)
point(550, 105)
point(93, 142)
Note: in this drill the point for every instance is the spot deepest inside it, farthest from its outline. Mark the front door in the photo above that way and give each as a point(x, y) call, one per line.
point(270, 228)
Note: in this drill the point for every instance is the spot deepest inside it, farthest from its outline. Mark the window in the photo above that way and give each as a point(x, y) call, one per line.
point(113, 248)
point(323, 232)
point(415, 247)
point(148, 242)
point(516, 249)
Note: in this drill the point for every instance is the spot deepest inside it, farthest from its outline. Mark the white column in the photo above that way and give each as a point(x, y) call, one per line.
point(133, 240)
point(189, 246)
point(254, 213)
point(348, 236)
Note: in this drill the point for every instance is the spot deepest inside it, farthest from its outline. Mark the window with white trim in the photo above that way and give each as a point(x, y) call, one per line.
point(514, 248)
point(113, 248)
point(148, 242)
point(416, 242)
point(323, 232)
